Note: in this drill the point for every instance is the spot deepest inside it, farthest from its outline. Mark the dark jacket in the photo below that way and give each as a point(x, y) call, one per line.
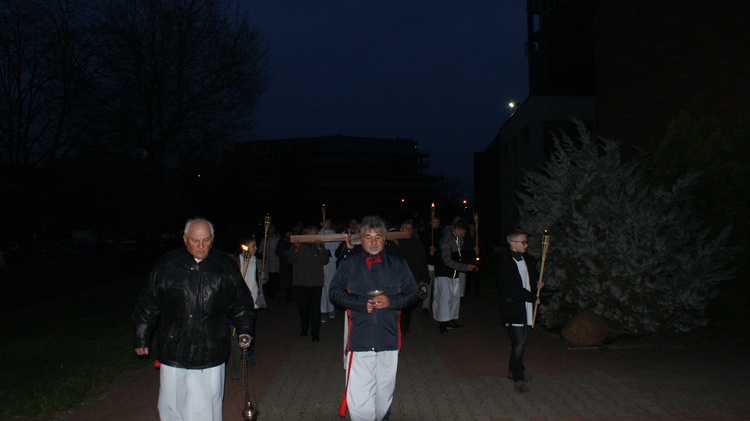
point(513, 296)
point(451, 261)
point(379, 330)
point(307, 264)
point(411, 250)
point(431, 237)
point(191, 303)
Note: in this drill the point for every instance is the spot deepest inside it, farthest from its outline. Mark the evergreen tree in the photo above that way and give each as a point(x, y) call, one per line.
point(634, 254)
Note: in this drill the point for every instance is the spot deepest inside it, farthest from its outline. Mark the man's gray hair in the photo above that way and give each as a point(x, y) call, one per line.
point(373, 222)
point(194, 220)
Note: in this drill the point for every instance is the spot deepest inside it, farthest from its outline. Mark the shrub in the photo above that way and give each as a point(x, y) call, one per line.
point(634, 254)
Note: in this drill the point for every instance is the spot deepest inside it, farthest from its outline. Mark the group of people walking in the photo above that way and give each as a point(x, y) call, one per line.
point(202, 303)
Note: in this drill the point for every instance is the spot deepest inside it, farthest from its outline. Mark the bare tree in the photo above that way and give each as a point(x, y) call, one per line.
point(45, 79)
point(182, 77)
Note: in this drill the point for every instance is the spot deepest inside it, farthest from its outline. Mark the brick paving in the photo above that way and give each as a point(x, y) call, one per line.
point(461, 375)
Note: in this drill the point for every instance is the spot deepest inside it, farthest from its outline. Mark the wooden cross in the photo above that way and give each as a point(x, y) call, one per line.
point(356, 238)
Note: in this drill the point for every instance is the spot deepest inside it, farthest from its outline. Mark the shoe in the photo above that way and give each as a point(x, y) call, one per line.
point(454, 325)
point(235, 375)
point(526, 377)
point(323, 318)
point(332, 315)
point(443, 327)
point(303, 333)
point(316, 338)
point(520, 387)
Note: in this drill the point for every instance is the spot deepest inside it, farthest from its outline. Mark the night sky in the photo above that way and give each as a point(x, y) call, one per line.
point(439, 72)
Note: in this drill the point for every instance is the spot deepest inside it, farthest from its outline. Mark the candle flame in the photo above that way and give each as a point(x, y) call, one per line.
point(245, 248)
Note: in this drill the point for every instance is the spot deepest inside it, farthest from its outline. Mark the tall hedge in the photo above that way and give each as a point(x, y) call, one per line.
point(635, 254)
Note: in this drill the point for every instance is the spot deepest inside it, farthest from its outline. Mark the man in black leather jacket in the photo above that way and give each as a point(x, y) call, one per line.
point(190, 295)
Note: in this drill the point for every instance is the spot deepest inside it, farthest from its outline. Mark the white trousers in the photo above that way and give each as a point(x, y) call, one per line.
point(326, 306)
point(446, 299)
point(372, 380)
point(191, 395)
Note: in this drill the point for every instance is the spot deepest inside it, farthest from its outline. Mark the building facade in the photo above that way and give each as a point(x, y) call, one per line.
point(625, 69)
point(353, 176)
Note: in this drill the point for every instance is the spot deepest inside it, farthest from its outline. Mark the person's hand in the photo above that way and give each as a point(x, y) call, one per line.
point(540, 285)
point(379, 302)
point(472, 268)
point(349, 244)
point(432, 250)
point(245, 340)
point(538, 301)
point(476, 250)
point(141, 351)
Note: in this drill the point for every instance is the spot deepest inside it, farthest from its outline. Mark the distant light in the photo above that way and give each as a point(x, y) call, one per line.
point(403, 200)
point(512, 104)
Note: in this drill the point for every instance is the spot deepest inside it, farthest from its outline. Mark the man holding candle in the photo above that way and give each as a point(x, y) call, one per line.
point(188, 297)
point(446, 300)
point(373, 287)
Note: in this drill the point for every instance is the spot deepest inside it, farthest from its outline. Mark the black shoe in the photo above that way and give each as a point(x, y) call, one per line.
point(443, 327)
point(316, 338)
point(454, 325)
point(526, 377)
point(303, 333)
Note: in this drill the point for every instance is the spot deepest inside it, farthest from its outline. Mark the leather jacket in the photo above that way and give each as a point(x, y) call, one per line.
point(191, 304)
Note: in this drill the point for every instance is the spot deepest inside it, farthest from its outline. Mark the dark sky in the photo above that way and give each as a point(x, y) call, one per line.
point(437, 71)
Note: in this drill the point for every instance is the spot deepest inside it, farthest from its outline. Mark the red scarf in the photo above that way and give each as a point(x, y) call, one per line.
point(372, 259)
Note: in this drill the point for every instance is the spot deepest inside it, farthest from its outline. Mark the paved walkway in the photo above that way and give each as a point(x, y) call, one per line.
point(461, 375)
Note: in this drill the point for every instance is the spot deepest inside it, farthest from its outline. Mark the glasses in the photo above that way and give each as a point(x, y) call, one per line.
point(519, 241)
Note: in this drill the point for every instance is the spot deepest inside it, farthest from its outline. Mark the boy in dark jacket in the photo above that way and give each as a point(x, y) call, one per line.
point(517, 281)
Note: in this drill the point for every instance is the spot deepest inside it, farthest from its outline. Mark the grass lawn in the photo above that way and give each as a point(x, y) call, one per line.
point(58, 351)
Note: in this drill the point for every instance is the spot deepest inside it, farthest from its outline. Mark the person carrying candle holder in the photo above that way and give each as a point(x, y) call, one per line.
point(517, 275)
point(373, 287)
point(447, 290)
point(189, 295)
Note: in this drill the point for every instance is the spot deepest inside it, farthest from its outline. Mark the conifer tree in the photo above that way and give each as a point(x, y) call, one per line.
point(634, 254)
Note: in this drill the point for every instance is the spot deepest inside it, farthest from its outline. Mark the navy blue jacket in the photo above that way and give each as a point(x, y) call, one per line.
point(379, 330)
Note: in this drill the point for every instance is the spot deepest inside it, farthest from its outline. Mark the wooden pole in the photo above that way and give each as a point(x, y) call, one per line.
point(323, 211)
point(476, 232)
point(266, 224)
point(545, 247)
point(432, 231)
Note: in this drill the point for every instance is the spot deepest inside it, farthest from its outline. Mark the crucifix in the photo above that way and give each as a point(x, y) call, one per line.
point(356, 238)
